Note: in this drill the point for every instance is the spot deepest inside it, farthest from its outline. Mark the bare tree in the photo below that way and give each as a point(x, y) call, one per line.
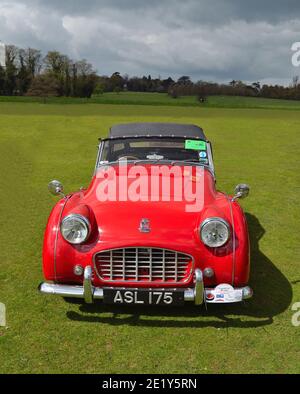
point(11, 69)
point(33, 61)
point(295, 81)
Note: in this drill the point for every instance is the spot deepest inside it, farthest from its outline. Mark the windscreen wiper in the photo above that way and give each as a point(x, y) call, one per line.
point(191, 161)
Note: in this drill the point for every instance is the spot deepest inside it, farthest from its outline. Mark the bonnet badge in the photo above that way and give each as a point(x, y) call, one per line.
point(145, 226)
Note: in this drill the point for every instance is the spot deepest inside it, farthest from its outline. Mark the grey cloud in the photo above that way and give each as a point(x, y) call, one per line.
point(193, 10)
point(206, 39)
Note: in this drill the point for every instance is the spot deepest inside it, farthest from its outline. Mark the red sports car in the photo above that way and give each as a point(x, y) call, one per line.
point(151, 228)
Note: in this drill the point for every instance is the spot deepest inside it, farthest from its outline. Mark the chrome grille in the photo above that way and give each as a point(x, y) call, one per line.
point(143, 265)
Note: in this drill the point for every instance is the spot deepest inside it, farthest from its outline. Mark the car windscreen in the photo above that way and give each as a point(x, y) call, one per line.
point(154, 149)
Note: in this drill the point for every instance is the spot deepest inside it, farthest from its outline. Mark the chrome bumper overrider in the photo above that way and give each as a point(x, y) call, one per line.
point(198, 294)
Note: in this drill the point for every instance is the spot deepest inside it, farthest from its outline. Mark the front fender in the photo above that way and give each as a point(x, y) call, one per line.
point(231, 262)
point(50, 240)
point(241, 265)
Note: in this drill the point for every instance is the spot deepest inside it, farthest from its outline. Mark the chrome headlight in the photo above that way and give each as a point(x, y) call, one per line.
point(215, 232)
point(75, 229)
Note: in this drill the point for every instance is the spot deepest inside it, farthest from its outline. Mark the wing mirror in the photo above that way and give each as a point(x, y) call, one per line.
point(241, 191)
point(56, 188)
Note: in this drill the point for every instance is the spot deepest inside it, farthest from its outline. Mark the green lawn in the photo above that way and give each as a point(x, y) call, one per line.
point(162, 99)
point(47, 334)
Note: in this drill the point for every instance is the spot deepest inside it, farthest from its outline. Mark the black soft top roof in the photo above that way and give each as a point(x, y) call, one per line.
point(157, 130)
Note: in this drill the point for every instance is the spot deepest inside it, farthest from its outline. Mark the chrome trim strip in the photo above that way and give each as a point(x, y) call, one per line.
point(233, 240)
point(164, 267)
point(157, 162)
point(123, 264)
point(99, 154)
point(150, 266)
point(210, 159)
point(111, 265)
point(136, 265)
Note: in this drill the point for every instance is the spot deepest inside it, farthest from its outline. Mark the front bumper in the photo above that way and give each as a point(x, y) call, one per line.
point(198, 294)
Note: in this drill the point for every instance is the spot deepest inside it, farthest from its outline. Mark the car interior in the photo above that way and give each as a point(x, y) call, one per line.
point(147, 149)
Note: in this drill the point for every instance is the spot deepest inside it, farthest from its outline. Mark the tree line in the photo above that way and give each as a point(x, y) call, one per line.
point(202, 89)
point(28, 72)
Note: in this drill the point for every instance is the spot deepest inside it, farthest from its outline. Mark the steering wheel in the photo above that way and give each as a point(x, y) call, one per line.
point(123, 158)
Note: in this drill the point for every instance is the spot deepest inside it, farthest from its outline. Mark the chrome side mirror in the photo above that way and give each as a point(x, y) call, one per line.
point(241, 191)
point(56, 188)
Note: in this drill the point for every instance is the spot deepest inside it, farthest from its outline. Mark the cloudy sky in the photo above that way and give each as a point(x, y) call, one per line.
point(205, 39)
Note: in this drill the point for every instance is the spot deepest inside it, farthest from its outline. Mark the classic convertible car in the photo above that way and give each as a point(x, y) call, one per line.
point(151, 228)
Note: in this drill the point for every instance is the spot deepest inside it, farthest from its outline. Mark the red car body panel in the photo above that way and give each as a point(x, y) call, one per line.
point(115, 224)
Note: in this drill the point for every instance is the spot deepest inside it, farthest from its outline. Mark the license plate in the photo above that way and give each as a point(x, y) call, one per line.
point(143, 297)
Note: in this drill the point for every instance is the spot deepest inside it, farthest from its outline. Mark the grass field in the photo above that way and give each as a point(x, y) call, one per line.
point(162, 99)
point(44, 334)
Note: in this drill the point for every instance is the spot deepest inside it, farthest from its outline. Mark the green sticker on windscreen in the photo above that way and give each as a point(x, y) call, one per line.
point(195, 145)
